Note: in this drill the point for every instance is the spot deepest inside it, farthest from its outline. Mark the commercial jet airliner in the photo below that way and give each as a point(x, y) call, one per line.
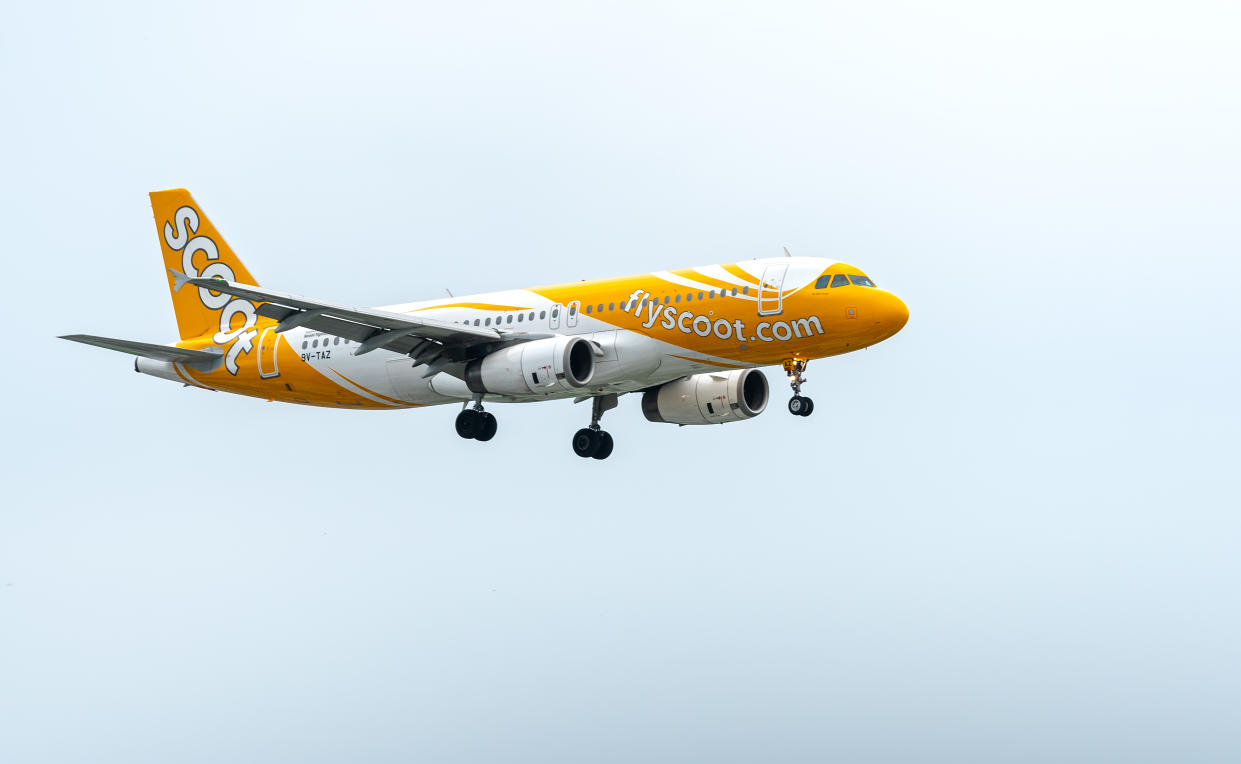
point(690, 341)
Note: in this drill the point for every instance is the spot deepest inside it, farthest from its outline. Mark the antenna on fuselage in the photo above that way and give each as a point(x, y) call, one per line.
point(786, 252)
point(449, 291)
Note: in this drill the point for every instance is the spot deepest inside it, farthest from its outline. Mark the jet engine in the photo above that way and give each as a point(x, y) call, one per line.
point(542, 366)
point(708, 398)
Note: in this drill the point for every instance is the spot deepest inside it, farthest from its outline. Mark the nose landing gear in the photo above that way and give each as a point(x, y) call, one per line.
point(592, 442)
point(799, 405)
point(476, 424)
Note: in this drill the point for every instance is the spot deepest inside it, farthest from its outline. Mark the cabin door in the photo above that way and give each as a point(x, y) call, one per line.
point(771, 289)
point(269, 342)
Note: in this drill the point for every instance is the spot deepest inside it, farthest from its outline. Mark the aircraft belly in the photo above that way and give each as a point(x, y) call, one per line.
point(408, 383)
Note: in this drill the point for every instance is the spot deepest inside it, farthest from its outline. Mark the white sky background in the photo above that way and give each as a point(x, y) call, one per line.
point(1008, 534)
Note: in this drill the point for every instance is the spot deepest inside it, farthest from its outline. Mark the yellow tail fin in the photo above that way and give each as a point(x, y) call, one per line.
point(192, 245)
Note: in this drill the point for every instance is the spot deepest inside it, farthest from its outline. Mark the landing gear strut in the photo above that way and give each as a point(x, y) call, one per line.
point(592, 442)
point(475, 424)
point(799, 405)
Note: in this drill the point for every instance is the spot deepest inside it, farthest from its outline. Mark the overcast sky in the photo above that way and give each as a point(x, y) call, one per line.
point(1010, 533)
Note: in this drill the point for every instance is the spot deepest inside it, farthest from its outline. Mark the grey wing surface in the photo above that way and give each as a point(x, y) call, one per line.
point(437, 343)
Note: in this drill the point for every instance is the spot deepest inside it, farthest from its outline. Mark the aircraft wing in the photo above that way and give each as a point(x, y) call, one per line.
point(426, 340)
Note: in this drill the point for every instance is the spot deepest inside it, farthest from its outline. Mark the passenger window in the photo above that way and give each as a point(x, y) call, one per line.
point(572, 309)
point(487, 322)
point(315, 344)
point(521, 316)
point(305, 344)
point(861, 281)
point(587, 310)
point(823, 282)
point(745, 290)
point(711, 294)
point(476, 322)
point(700, 295)
point(510, 319)
point(542, 314)
point(336, 341)
point(840, 280)
point(689, 297)
point(611, 306)
point(532, 315)
point(734, 291)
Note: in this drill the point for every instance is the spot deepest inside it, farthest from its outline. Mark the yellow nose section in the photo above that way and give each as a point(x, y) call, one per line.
point(896, 312)
point(890, 314)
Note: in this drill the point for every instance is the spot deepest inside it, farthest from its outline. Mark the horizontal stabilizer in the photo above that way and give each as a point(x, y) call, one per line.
point(202, 360)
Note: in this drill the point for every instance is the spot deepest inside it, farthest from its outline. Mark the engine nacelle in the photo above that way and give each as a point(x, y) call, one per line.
point(532, 368)
point(709, 398)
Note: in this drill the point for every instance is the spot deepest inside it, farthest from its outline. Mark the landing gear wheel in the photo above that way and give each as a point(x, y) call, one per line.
point(796, 369)
point(605, 446)
point(799, 406)
point(592, 442)
point(586, 442)
point(469, 423)
point(488, 429)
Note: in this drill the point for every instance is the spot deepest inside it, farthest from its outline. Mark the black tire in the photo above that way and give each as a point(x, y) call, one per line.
point(605, 446)
point(807, 407)
point(488, 429)
point(468, 423)
point(585, 442)
point(796, 405)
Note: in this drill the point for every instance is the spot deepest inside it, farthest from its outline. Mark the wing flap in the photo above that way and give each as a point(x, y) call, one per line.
point(350, 330)
point(369, 327)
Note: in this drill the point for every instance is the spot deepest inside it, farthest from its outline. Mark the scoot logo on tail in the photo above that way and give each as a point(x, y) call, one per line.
point(177, 235)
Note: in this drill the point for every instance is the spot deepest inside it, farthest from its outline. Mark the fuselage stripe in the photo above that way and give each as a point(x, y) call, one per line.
point(741, 273)
point(700, 286)
point(471, 306)
point(377, 397)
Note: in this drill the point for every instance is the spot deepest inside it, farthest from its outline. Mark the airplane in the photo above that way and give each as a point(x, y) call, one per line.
point(691, 341)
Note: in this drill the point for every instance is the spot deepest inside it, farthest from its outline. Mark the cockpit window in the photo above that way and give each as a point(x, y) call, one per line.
point(840, 280)
point(861, 281)
point(823, 282)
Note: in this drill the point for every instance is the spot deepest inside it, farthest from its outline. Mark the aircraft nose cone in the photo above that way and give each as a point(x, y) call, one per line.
point(897, 313)
point(891, 315)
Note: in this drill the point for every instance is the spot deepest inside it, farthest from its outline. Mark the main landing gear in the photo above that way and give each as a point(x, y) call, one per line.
point(592, 442)
point(799, 405)
point(474, 423)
